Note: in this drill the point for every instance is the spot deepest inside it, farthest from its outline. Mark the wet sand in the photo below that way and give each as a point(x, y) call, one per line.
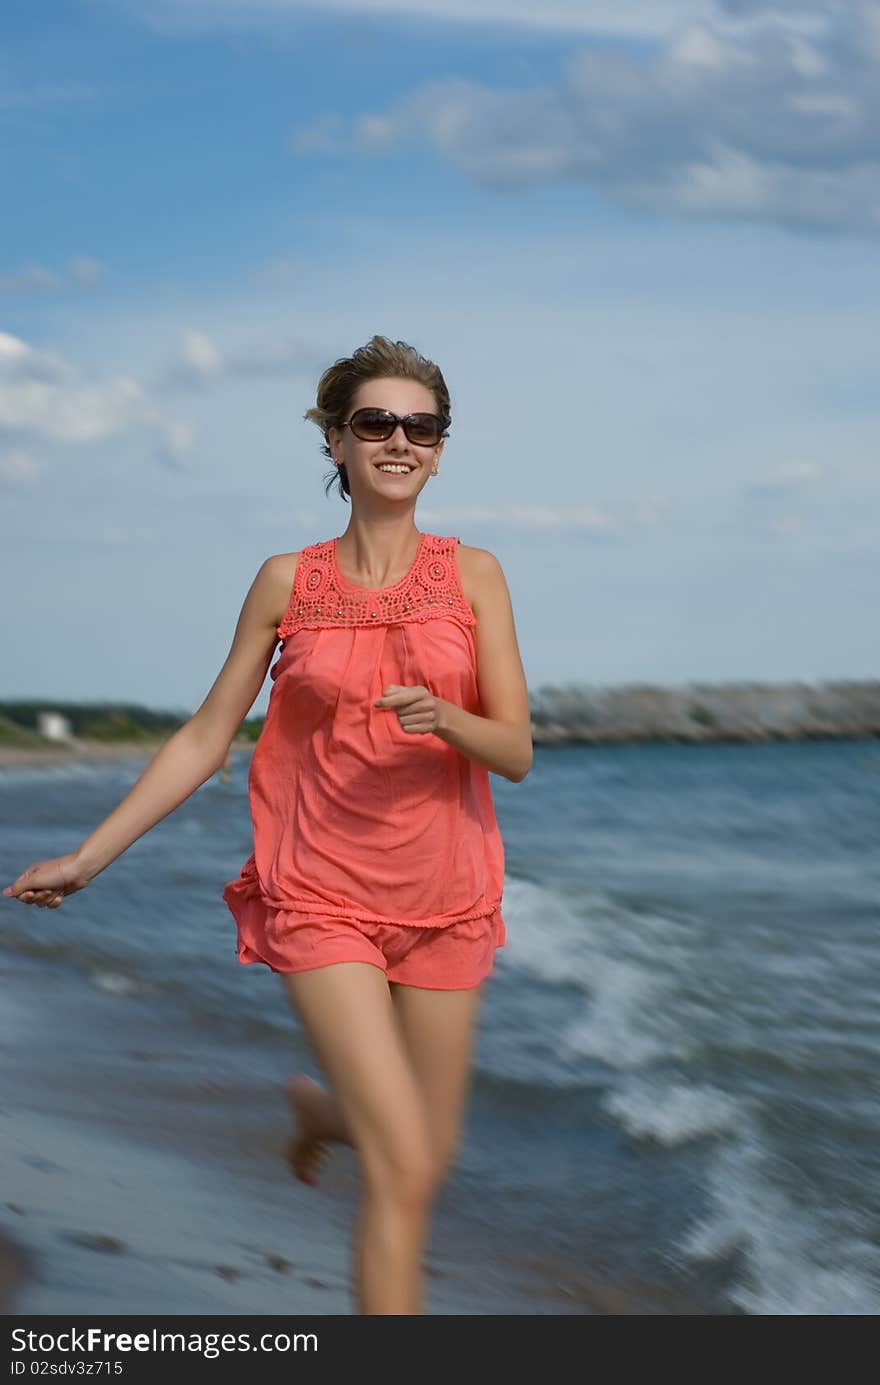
point(143, 1162)
point(144, 1173)
point(15, 1270)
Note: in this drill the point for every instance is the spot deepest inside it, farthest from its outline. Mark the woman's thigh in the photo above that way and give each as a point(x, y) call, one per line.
point(349, 1018)
point(438, 1029)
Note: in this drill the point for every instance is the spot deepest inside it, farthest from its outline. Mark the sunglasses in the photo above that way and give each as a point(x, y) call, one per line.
point(377, 425)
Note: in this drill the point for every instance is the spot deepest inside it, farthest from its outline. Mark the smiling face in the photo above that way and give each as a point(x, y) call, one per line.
point(363, 460)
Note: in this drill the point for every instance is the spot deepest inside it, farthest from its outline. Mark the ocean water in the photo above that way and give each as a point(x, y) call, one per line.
point(677, 1078)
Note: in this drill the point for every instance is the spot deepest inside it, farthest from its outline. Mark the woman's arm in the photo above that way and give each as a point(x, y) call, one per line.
point(198, 749)
point(189, 757)
point(500, 738)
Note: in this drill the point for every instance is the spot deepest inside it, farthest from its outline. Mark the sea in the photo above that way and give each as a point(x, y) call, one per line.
point(675, 1105)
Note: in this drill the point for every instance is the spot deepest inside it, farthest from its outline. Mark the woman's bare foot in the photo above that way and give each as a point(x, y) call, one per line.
point(318, 1122)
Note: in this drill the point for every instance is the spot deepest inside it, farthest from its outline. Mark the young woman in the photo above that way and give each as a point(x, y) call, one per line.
point(375, 884)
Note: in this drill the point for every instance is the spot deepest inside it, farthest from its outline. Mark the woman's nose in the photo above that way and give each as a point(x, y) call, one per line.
point(399, 437)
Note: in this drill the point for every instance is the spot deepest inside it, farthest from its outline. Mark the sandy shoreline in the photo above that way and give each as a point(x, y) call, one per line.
point(143, 1173)
point(90, 752)
point(15, 1270)
point(142, 1119)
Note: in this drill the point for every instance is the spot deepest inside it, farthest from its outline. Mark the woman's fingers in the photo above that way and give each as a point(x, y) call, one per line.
point(45, 881)
point(43, 898)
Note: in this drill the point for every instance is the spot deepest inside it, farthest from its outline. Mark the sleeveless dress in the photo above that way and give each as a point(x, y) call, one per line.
point(353, 817)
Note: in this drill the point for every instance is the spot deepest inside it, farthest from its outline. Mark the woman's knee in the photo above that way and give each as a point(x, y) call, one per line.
point(401, 1167)
point(414, 1164)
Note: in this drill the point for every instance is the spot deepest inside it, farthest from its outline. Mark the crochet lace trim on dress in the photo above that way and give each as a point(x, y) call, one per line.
point(321, 596)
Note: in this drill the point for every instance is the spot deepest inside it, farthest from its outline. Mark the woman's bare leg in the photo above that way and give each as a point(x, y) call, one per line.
point(347, 1013)
point(318, 1124)
point(437, 1028)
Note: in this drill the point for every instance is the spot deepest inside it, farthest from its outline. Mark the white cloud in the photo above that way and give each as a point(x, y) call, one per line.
point(633, 19)
point(376, 133)
point(759, 123)
point(43, 397)
point(17, 469)
point(697, 46)
point(784, 479)
point(32, 278)
point(200, 361)
point(636, 18)
point(199, 354)
point(83, 273)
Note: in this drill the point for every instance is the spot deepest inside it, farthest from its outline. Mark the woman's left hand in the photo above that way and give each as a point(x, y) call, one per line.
point(418, 711)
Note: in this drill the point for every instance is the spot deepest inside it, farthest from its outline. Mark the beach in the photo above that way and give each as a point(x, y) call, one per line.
point(144, 1173)
point(14, 1272)
point(668, 1111)
point(119, 1217)
point(144, 1162)
point(85, 752)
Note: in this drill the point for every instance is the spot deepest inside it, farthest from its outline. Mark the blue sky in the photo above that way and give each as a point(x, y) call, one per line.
point(640, 240)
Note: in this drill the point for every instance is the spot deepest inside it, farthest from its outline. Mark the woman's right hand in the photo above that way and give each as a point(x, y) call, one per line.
point(48, 883)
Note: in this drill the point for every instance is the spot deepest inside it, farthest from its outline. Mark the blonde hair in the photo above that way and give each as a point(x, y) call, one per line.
point(379, 359)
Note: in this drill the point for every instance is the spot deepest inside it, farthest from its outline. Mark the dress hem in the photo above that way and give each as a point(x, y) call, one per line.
point(254, 944)
point(246, 889)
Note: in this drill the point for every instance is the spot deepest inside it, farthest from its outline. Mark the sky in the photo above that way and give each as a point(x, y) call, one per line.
point(640, 240)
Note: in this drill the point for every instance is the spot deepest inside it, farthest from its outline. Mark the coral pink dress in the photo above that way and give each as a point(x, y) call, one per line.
point(353, 817)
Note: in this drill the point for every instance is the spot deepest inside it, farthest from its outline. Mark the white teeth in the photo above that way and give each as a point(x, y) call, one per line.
point(386, 466)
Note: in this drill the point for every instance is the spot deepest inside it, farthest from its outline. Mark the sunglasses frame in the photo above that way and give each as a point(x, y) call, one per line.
point(405, 421)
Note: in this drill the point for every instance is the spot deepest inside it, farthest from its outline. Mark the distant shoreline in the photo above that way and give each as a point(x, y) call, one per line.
point(575, 714)
point(82, 751)
point(95, 752)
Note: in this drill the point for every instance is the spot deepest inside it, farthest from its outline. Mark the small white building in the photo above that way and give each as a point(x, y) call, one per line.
point(54, 726)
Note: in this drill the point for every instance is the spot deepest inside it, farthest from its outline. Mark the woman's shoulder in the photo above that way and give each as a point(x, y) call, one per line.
point(283, 566)
point(281, 571)
point(477, 568)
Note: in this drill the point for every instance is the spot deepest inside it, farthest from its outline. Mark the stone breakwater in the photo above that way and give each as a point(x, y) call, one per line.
point(563, 714)
point(697, 712)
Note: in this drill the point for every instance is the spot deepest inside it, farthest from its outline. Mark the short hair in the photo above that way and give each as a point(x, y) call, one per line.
point(379, 359)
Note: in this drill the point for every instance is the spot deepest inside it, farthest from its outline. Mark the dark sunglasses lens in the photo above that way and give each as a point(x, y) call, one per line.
point(423, 429)
point(372, 425)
